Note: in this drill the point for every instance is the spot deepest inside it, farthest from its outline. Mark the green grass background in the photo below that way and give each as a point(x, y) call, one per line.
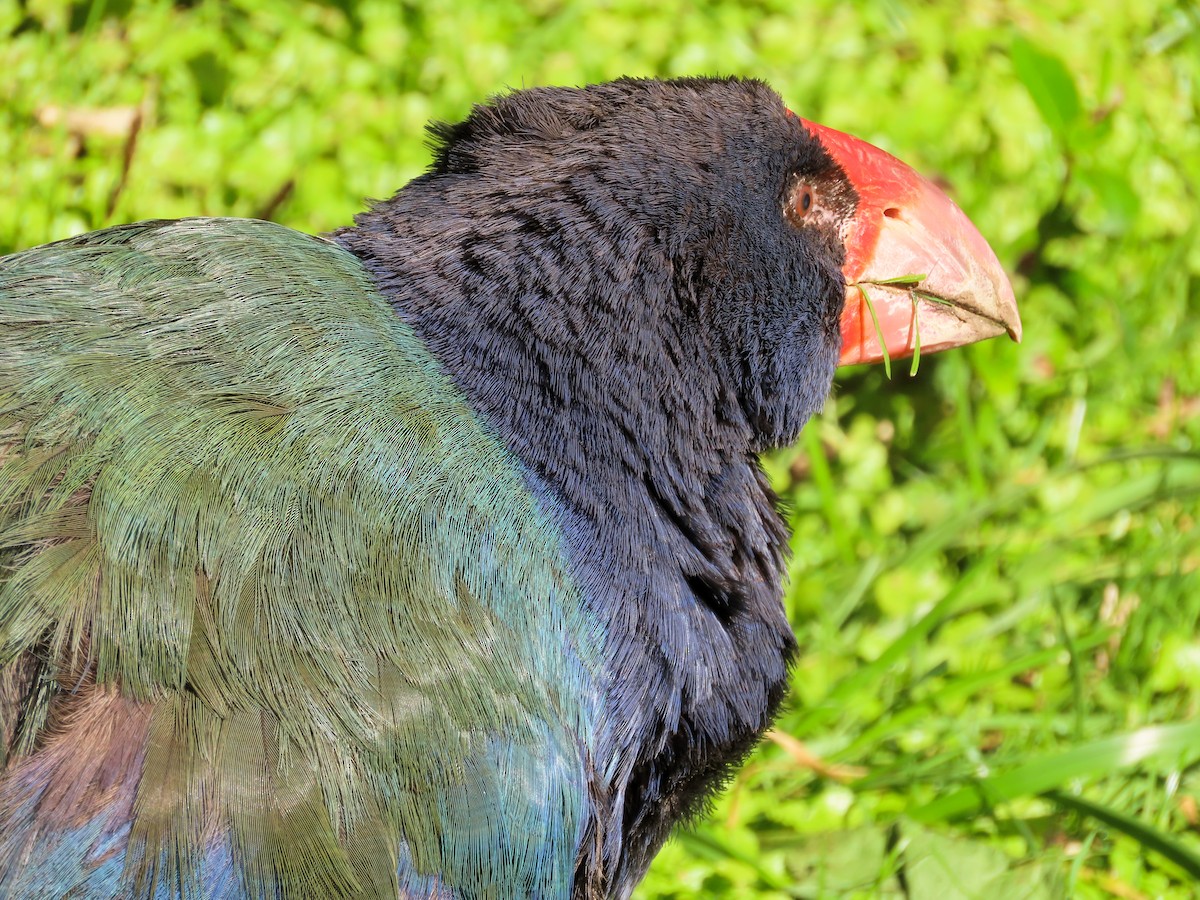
point(995, 561)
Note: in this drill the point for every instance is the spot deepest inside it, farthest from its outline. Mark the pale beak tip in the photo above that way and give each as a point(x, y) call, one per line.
point(1010, 318)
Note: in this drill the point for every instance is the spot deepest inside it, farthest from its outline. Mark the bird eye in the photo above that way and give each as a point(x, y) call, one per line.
point(803, 201)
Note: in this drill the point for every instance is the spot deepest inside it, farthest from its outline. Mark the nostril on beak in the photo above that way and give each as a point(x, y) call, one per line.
point(892, 212)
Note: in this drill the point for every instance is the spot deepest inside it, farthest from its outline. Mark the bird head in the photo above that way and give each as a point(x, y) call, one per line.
point(783, 247)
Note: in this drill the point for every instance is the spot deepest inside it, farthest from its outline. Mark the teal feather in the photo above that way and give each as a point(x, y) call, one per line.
point(240, 503)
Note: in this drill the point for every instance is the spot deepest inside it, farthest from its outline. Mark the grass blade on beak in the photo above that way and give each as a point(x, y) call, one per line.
point(887, 360)
point(916, 330)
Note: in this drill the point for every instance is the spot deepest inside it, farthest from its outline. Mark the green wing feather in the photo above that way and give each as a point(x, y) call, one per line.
point(237, 492)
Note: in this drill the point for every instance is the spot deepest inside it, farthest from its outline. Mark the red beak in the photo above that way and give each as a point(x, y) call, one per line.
point(932, 280)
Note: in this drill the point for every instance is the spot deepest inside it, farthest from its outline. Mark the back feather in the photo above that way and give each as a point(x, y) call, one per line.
point(278, 616)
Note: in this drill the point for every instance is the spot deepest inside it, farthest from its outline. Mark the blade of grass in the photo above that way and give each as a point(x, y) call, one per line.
point(922, 295)
point(1077, 864)
point(868, 571)
point(959, 381)
point(1044, 773)
point(916, 329)
point(1148, 837)
point(822, 477)
point(898, 280)
point(1079, 703)
point(887, 360)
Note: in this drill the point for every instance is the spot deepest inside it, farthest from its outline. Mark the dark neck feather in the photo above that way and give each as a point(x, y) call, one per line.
point(588, 348)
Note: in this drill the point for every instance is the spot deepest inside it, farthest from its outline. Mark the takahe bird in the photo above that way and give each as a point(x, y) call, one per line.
point(433, 558)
